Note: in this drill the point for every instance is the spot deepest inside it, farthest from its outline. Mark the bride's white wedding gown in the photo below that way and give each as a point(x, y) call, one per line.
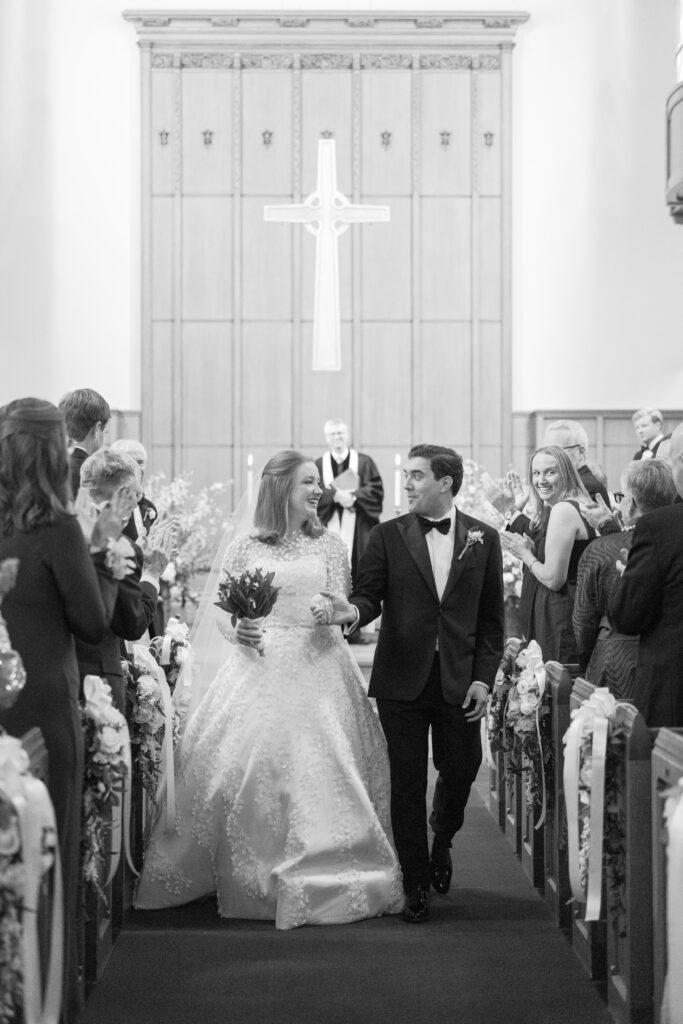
point(283, 778)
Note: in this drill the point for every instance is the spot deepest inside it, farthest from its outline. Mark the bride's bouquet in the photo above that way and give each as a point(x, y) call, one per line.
point(251, 595)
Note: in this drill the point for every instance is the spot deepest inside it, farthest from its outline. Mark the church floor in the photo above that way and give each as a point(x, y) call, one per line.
point(490, 954)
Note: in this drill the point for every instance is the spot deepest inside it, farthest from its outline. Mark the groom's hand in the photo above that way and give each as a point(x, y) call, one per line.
point(342, 610)
point(475, 701)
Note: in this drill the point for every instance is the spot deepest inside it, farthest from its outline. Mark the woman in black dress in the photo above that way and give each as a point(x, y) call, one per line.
point(57, 595)
point(557, 538)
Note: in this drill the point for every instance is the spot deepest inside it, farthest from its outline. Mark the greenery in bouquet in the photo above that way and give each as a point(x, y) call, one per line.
point(11, 896)
point(528, 739)
point(146, 724)
point(472, 500)
point(505, 678)
point(106, 735)
point(202, 518)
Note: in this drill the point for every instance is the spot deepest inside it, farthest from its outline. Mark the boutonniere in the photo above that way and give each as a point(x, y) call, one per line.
point(473, 537)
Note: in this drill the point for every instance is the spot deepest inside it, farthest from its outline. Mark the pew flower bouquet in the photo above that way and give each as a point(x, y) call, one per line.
point(527, 721)
point(146, 722)
point(172, 649)
point(11, 895)
point(106, 769)
point(505, 678)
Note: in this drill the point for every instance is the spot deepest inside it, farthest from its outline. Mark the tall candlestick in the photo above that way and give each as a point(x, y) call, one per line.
point(250, 475)
point(397, 483)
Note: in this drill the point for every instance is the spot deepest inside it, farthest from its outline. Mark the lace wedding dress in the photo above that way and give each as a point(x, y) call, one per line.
point(283, 779)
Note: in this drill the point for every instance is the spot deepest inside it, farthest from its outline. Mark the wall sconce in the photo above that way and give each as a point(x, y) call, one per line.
point(208, 138)
point(386, 139)
point(267, 138)
point(488, 138)
point(327, 134)
point(445, 139)
point(163, 138)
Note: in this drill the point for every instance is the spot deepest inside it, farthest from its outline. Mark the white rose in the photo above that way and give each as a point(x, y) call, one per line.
point(110, 740)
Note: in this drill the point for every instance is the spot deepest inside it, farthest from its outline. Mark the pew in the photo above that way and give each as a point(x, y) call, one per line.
point(667, 768)
point(557, 890)
point(628, 881)
point(102, 922)
point(589, 938)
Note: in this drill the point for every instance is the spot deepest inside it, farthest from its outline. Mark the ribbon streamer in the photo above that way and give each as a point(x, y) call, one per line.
point(120, 827)
point(485, 738)
point(672, 1002)
point(31, 800)
point(544, 799)
point(143, 659)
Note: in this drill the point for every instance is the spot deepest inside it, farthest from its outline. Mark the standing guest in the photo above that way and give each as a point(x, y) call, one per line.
point(56, 597)
point(145, 513)
point(436, 575)
point(649, 602)
point(353, 494)
point(606, 657)
point(102, 475)
point(654, 443)
point(573, 439)
point(86, 415)
point(557, 536)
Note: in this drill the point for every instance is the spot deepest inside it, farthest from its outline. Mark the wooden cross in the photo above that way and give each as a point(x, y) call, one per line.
point(326, 213)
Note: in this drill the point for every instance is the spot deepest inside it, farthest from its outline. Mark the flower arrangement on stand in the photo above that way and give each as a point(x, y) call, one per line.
point(528, 741)
point(201, 519)
point(107, 758)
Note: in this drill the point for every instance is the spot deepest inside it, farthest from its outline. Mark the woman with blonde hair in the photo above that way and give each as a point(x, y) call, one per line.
point(558, 536)
point(283, 782)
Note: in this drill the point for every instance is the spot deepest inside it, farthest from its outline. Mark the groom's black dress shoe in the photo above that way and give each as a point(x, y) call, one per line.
point(416, 909)
point(440, 868)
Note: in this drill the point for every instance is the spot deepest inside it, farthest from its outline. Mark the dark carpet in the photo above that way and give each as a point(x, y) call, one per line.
point(491, 953)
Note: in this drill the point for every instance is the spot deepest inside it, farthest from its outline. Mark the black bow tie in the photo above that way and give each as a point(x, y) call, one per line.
point(442, 525)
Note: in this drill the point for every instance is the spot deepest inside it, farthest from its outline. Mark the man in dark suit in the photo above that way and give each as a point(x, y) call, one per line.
point(145, 513)
point(649, 427)
point(649, 602)
point(86, 415)
point(436, 576)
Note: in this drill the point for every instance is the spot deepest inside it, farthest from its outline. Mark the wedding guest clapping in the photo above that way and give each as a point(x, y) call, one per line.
point(86, 415)
point(649, 602)
point(145, 513)
point(558, 534)
point(607, 657)
point(56, 598)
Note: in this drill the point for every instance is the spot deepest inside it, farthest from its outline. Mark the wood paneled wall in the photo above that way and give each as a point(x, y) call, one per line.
point(232, 109)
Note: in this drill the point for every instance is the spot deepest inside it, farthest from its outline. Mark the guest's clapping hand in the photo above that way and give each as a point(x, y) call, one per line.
point(502, 498)
point(597, 514)
point(99, 526)
point(158, 545)
point(513, 482)
point(475, 701)
point(516, 545)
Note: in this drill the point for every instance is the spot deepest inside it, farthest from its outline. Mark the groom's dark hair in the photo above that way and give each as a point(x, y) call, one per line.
point(442, 461)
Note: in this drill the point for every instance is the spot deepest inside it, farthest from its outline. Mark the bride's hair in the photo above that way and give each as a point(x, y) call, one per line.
point(271, 516)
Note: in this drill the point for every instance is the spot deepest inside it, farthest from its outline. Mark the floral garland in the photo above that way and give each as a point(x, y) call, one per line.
point(147, 723)
point(11, 898)
point(106, 769)
point(526, 737)
point(505, 678)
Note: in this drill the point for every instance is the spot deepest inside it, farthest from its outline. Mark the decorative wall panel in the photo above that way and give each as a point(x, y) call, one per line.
point(233, 106)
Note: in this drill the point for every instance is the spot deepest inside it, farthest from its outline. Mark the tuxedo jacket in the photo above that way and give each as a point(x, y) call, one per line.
point(649, 602)
point(132, 611)
point(77, 457)
point(395, 578)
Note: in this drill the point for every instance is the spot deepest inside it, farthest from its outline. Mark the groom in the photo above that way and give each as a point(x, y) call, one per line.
point(435, 575)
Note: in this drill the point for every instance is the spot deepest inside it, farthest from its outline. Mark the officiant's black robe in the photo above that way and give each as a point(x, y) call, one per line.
point(369, 498)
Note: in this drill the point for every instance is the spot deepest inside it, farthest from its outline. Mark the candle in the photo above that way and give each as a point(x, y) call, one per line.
point(397, 482)
point(250, 475)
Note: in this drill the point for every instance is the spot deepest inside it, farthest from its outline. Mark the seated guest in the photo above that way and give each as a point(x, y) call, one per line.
point(145, 513)
point(606, 657)
point(557, 537)
point(654, 443)
point(102, 474)
point(649, 602)
point(86, 415)
point(56, 598)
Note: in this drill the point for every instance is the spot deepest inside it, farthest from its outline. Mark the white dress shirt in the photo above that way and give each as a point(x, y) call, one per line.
point(440, 547)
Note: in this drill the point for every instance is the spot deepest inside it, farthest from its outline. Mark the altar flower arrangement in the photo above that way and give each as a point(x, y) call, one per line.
point(251, 595)
point(527, 721)
point(202, 518)
point(106, 738)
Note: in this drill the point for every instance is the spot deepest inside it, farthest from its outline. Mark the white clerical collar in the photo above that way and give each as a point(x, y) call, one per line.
point(340, 458)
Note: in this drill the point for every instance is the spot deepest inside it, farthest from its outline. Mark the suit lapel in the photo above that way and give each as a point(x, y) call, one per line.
point(457, 564)
point(414, 540)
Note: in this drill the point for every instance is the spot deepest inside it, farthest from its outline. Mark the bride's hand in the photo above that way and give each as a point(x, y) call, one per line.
point(342, 610)
point(250, 632)
point(322, 609)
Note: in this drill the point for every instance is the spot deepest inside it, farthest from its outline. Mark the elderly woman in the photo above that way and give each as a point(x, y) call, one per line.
point(557, 537)
point(606, 657)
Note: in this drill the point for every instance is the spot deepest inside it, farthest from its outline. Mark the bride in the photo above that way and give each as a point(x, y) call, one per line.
point(282, 779)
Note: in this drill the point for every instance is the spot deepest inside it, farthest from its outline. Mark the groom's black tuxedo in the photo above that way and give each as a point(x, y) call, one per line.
point(418, 688)
point(395, 573)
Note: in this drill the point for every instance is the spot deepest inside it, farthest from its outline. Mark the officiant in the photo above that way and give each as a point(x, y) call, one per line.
point(352, 493)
